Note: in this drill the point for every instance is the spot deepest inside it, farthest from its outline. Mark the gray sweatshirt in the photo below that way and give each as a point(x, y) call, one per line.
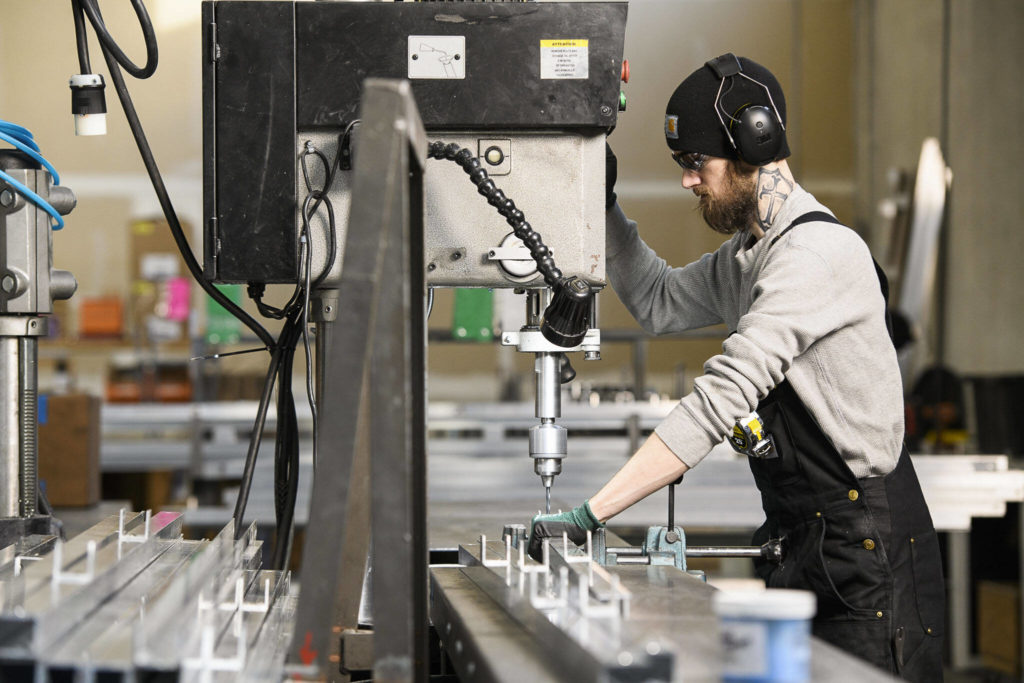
point(807, 309)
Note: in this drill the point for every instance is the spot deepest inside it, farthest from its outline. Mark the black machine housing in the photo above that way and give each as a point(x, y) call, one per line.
point(274, 68)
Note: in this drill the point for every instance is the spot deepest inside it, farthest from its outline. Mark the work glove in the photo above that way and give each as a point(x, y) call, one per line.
point(575, 524)
point(611, 174)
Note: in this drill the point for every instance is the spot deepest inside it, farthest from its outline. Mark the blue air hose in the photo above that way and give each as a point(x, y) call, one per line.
point(22, 140)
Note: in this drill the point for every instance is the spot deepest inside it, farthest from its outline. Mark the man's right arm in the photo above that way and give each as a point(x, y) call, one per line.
point(662, 299)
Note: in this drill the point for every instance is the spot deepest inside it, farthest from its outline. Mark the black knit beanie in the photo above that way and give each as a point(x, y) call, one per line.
point(691, 124)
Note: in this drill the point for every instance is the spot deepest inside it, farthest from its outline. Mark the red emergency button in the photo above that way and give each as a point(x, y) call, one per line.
point(625, 71)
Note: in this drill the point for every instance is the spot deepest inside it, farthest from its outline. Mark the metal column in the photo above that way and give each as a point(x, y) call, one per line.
point(380, 324)
point(958, 555)
point(19, 487)
point(10, 440)
point(398, 378)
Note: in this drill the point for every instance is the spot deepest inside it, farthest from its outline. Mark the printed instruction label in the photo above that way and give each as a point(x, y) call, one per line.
point(564, 58)
point(439, 57)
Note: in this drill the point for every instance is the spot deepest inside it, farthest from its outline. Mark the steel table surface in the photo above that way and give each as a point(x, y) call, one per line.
point(668, 607)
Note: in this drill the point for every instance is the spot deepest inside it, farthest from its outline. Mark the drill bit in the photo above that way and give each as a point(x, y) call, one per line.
point(547, 480)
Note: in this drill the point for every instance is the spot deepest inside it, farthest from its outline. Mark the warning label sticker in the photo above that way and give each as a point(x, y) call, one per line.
point(564, 58)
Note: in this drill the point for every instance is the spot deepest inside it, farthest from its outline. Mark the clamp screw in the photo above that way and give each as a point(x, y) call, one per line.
point(605, 110)
point(6, 198)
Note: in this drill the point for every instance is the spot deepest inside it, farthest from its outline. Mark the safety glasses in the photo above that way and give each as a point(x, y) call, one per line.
point(690, 161)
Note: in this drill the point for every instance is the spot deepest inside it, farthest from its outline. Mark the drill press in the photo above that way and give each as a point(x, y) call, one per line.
point(29, 284)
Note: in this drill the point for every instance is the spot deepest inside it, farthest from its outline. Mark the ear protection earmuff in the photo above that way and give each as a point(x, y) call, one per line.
point(755, 131)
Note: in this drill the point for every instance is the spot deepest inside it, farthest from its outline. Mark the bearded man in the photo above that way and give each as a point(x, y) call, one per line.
point(807, 385)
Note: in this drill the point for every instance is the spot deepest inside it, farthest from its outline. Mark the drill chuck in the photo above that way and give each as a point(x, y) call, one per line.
point(548, 441)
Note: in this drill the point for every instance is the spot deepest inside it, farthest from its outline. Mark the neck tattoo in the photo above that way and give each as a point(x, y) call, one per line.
point(773, 189)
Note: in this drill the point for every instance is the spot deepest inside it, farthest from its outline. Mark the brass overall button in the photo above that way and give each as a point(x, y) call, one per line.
point(868, 544)
point(878, 614)
point(853, 494)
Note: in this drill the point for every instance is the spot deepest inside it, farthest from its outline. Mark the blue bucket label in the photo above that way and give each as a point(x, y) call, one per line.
point(744, 649)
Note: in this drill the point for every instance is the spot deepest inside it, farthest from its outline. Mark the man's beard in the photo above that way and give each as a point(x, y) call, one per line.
point(735, 207)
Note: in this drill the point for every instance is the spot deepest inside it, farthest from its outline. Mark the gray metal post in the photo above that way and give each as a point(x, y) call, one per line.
point(959, 582)
point(29, 428)
point(398, 379)
point(366, 315)
point(10, 437)
point(356, 546)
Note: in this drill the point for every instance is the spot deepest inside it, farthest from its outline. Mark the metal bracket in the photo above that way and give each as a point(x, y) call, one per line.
point(60, 577)
point(122, 537)
point(20, 560)
point(509, 254)
point(532, 341)
point(23, 326)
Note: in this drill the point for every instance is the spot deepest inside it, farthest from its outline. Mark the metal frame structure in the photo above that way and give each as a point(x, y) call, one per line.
point(380, 326)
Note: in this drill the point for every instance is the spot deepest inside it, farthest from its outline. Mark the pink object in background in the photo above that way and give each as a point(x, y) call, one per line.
point(178, 299)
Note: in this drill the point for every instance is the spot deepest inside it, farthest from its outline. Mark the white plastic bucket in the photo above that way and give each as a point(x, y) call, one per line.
point(766, 635)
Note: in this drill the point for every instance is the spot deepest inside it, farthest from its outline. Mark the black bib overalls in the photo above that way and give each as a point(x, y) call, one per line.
point(866, 547)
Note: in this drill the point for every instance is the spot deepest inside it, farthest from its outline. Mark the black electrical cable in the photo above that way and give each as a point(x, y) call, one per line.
point(289, 490)
point(110, 47)
point(310, 394)
point(81, 39)
point(255, 290)
point(286, 454)
point(332, 239)
point(165, 202)
point(254, 441)
point(283, 349)
point(505, 206)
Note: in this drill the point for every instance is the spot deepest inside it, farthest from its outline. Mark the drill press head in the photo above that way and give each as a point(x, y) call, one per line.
point(548, 445)
point(548, 441)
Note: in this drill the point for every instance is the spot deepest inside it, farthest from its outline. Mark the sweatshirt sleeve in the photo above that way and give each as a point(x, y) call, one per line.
point(804, 293)
point(662, 299)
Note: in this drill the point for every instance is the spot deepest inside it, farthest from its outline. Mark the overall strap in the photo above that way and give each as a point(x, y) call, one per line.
point(883, 281)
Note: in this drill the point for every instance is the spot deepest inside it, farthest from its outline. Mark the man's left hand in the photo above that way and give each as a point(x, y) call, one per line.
point(575, 524)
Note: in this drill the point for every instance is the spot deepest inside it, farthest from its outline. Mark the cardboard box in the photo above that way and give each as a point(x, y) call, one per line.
point(153, 251)
point(999, 626)
point(69, 449)
point(160, 301)
point(101, 317)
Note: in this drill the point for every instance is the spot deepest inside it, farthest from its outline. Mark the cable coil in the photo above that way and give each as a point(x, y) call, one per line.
point(22, 140)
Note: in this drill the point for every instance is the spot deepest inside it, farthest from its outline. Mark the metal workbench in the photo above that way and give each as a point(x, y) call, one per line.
point(495, 625)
